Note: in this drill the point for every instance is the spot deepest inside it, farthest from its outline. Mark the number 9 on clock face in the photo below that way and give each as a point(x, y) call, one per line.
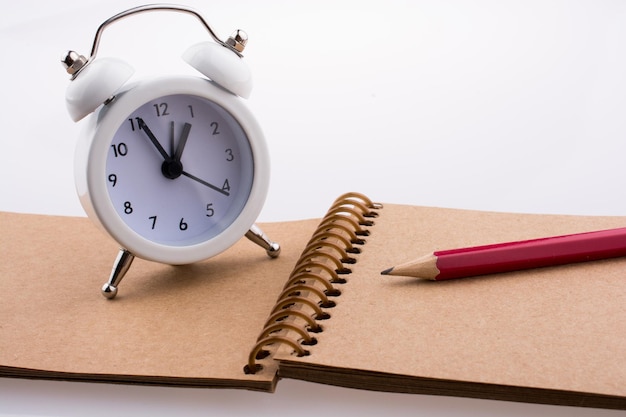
point(180, 176)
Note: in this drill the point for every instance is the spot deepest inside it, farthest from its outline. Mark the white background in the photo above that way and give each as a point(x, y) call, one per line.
point(495, 105)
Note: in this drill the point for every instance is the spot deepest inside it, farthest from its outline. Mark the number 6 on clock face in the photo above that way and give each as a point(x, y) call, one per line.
point(170, 172)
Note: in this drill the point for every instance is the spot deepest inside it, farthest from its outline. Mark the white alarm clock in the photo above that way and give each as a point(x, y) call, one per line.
point(174, 168)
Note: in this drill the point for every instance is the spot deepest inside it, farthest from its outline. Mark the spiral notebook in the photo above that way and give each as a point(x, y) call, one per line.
point(320, 312)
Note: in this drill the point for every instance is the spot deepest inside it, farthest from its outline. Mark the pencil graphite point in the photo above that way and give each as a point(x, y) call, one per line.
point(424, 267)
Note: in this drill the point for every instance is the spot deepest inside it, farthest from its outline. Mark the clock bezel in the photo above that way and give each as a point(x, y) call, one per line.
point(91, 157)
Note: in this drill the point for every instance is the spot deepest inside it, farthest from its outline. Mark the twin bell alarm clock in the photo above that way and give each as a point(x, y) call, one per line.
point(175, 169)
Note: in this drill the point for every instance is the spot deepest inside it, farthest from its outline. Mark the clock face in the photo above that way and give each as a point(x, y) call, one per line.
point(179, 170)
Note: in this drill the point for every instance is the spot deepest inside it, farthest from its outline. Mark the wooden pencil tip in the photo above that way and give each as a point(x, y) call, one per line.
point(387, 271)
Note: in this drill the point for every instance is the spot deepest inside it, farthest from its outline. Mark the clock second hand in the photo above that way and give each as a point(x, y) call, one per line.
point(203, 182)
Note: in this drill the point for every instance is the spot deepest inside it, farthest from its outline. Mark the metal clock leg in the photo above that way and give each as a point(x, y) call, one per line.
point(120, 267)
point(256, 235)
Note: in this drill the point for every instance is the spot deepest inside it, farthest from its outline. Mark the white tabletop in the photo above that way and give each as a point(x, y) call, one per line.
point(495, 105)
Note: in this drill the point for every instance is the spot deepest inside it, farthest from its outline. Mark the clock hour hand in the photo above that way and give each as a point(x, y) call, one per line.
point(183, 141)
point(143, 126)
point(203, 182)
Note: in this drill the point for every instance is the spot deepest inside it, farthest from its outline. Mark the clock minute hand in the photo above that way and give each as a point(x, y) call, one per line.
point(143, 126)
point(203, 182)
point(183, 141)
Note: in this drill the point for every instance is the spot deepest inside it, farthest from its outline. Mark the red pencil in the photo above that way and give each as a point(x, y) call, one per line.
point(513, 256)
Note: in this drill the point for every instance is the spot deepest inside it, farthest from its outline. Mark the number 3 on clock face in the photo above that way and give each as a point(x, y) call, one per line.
point(176, 170)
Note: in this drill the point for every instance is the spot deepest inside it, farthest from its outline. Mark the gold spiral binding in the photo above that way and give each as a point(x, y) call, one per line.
point(282, 326)
point(354, 204)
point(337, 215)
point(309, 257)
point(291, 300)
point(298, 288)
point(351, 195)
point(303, 276)
point(302, 303)
point(283, 314)
point(252, 367)
point(312, 265)
point(338, 227)
point(319, 246)
point(331, 234)
point(349, 212)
